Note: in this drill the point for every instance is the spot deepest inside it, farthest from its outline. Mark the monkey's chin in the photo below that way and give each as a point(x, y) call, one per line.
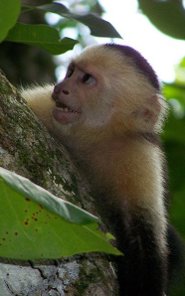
point(65, 116)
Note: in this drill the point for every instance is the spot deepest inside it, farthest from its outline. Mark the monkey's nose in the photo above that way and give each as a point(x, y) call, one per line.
point(58, 91)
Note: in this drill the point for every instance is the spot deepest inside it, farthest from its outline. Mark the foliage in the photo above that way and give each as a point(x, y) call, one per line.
point(97, 26)
point(168, 16)
point(40, 218)
point(8, 16)
point(174, 140)
point(40, 35)
point(46, 36)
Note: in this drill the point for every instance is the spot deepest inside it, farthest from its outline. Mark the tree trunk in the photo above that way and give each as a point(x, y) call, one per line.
point(28, 149)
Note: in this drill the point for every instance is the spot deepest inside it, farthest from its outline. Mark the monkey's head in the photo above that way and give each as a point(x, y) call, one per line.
point(108, 89)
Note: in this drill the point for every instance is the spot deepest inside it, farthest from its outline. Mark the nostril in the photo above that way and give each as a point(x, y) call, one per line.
point(66, 92)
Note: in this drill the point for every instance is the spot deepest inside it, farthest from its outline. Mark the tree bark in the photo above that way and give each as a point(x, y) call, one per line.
point(28, 149)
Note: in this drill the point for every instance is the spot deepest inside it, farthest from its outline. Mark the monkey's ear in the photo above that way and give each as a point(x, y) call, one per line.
point(149, 115)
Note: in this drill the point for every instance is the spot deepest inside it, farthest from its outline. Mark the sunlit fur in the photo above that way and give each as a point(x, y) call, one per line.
point(112, 143)
point(39, 99)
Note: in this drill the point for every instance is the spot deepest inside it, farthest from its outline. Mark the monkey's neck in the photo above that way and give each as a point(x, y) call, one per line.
point(129, 167)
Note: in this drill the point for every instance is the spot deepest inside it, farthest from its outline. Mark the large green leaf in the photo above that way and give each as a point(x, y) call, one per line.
point(9, 12)
point(168, 16)
point(41, 35)
point(98, 26)
point(34, 224)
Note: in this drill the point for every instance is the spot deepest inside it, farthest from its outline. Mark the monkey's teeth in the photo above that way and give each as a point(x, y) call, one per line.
point(66, 109)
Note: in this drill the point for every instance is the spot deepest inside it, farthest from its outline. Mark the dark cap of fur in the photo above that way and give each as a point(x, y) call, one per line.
point(140, 62)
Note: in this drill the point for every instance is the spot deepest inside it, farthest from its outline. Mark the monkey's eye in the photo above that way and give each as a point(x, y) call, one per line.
point(88, 79)
point(69, 72)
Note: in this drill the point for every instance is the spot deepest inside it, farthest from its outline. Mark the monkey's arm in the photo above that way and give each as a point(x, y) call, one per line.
point(40, 101)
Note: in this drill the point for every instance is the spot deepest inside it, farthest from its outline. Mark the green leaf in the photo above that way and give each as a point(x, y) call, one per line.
point(174, 91)
point(37, 225)
point(180, 73)
point(168, 16)
point(40, 35)
point(9, 12)
point(174, 129)
point(177, 210)
point(97, 26)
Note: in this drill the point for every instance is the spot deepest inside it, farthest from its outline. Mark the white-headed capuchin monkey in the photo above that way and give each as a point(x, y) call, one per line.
point(108, 112)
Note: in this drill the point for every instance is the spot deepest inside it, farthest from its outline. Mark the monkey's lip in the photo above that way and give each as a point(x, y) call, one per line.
point(65, 114)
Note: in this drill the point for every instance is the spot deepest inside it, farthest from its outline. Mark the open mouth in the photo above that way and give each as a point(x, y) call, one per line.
point(64, 108)
point(65, 114)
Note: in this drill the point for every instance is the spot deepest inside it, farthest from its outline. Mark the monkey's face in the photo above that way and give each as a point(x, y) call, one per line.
point(104, 91)
point(83, 97)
